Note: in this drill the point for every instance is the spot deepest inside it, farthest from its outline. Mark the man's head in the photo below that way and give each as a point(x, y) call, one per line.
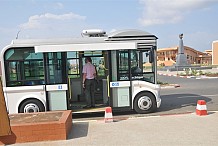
point(88, 59)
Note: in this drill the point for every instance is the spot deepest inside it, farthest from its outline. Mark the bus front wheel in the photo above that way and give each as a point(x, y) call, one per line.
point(31, 106)
point(145, 103)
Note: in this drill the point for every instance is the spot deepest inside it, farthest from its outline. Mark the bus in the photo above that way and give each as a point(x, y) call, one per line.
point(46, 74)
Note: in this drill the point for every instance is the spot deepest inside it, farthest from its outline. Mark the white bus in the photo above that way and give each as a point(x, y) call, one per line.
point(46, 74)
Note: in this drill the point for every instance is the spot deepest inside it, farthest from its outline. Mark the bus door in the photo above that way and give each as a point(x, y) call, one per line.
point(56, 80)
point(100, 61)
point(75, 61)
point(120, 84)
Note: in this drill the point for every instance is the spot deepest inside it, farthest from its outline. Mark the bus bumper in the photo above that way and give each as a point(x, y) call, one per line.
point(158, 99)
point(159, 103)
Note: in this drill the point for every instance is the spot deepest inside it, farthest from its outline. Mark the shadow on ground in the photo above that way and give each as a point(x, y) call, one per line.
point(178, 101)
point(79, 130)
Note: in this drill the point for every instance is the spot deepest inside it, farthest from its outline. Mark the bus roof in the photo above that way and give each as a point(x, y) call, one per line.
point(131, 37)
point(121, 35)
point(131, 34)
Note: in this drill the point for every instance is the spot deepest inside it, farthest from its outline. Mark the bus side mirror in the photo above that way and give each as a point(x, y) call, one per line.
point(151, 56)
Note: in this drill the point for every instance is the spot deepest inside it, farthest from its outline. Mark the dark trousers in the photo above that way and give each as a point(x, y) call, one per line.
point(90, 91)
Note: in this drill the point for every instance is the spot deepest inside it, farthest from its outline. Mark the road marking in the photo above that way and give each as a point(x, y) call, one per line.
point(210, 95)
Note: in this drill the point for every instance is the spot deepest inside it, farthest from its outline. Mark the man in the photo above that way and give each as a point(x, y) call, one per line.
point(89, 74)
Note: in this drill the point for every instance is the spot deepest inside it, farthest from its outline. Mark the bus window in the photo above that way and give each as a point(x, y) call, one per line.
point(23, 67)
point(141, 68)
point(135, 68)
point(56, 68)
point(148, 68)
point(92, 53)
point(101, 67)
point(73, 64)
point(123, 63)
point(97, 61)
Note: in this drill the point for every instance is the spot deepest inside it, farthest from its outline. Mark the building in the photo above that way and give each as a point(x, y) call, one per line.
point(215, 53)
point(167, 56)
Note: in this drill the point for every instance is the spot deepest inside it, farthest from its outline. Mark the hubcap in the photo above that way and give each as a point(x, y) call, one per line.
point(31, 108)
point(144, 103)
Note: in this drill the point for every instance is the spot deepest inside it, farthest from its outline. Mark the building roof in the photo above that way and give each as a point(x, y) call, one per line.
point(176, 48)
point(167, 49)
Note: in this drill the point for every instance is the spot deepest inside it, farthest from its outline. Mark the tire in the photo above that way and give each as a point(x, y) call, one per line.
point(145, 102)
point(30, 106)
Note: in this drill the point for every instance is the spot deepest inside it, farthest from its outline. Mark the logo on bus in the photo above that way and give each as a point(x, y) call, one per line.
point(116, 84)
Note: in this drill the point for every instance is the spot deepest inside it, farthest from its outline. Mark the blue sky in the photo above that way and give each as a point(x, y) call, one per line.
point(196, 19)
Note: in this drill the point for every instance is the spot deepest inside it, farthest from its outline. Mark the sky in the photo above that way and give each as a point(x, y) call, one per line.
point(37, 19)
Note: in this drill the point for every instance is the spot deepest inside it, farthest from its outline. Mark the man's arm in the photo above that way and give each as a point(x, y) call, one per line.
point(84, 77)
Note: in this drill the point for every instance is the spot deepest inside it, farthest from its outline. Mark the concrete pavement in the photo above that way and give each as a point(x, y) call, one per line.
point(165, 130)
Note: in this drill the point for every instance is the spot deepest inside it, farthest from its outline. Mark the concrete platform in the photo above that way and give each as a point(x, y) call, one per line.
point(165, 130)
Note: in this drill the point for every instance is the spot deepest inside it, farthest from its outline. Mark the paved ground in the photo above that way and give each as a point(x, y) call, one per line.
point(165, 130)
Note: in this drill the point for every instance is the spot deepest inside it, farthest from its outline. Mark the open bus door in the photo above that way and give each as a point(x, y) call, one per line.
point(76, 91)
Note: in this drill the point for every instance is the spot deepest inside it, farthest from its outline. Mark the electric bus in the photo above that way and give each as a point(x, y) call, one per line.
point(46, 74)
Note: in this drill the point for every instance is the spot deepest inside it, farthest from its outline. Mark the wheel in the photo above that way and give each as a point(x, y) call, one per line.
point(31, 106)
point(145, 102)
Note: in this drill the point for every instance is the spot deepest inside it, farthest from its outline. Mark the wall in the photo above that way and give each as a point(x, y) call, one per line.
point(215, 53)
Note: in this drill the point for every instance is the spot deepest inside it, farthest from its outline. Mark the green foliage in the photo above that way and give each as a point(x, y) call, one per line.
point(161, 83)
point(200, 72)
point(186, 71)
point(162, 64)
point(193, 72)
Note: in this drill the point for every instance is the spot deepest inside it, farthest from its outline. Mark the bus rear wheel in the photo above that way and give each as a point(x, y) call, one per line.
point(31, 106)
point(145, 103)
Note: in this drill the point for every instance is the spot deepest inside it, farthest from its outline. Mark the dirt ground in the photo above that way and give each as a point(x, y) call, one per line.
point(35, 117)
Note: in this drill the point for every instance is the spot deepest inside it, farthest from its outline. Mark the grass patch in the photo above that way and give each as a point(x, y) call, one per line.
point(162, 83)
point(193, 72)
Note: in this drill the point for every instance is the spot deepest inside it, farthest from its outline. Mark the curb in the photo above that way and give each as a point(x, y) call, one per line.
point(170, 86)
point(117, 119)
